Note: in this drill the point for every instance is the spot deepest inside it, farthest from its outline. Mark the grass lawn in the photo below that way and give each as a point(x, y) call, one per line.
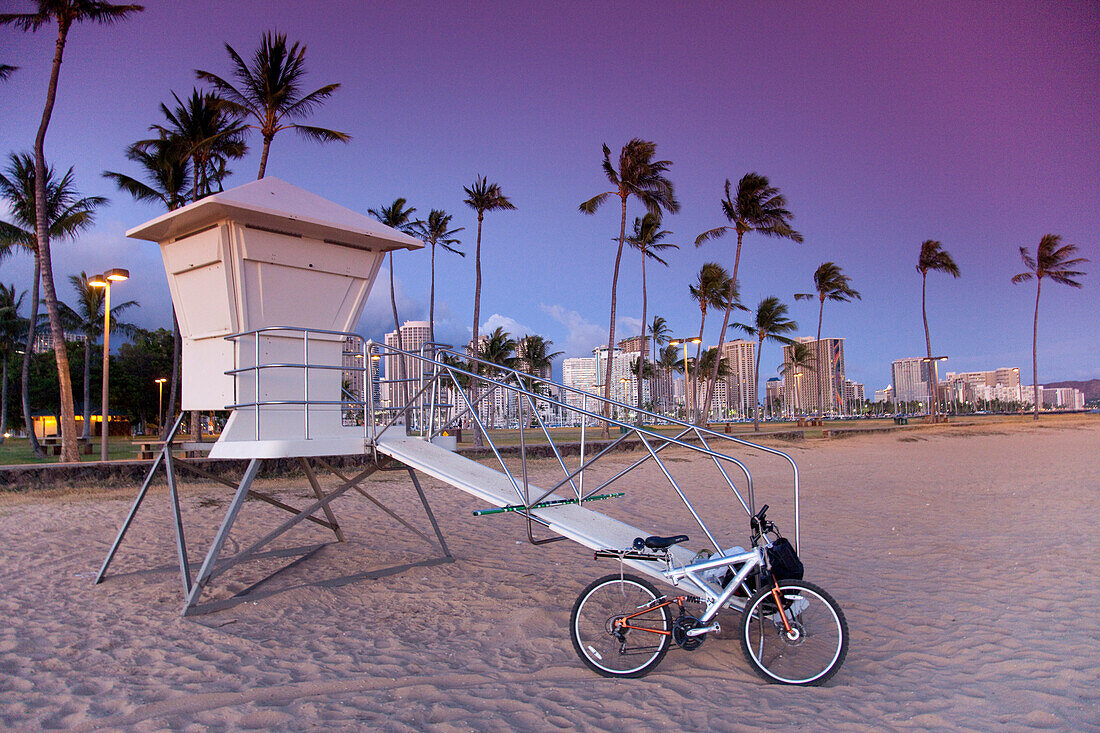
point(15, 451)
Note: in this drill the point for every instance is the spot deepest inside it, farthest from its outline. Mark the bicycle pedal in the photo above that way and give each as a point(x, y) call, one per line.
point(704, 629)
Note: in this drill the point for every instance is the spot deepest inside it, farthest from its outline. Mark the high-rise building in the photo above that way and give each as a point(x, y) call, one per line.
point(853, 396)
point(1055, 398)
point(740, 358)
point(624, 382)
point(354, 375)
point(822, 379)
point(634, 344)
point(579, 373)
point(1001, 385)
point(912, 380)
point(43, 340)
point(414, 334)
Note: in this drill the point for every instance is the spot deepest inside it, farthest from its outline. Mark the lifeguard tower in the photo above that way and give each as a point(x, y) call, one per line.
point(268, 281)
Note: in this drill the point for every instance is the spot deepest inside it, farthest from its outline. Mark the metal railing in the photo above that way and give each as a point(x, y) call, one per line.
point(444, 389)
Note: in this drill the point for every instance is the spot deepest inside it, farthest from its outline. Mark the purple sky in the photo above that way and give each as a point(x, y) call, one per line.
point(885, 124)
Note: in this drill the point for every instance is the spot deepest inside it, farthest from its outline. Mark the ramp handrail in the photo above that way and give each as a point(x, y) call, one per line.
point(439, 399)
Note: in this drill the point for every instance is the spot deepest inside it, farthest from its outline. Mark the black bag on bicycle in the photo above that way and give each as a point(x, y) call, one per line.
point(784, 560)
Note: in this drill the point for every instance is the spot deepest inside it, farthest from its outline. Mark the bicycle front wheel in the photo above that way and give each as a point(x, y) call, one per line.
point(803, 642)
point(619, 627)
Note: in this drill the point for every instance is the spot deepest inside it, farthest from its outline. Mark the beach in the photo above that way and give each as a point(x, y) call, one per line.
point(963, 556)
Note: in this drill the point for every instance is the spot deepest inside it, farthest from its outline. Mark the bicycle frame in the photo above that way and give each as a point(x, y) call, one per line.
point(752, 559)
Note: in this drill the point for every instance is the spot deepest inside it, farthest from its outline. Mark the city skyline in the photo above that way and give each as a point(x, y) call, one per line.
point(882, 128)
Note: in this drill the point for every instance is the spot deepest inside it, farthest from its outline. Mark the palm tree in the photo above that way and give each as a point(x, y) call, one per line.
point(482, 196)
point(11, 329)
point(499, 348)
point(829, 284)
point(659, 333)
point(668, 361)
point(65, 13)
point(533, 356)
point(770, 322)
point(167, 180)
point(67, 214)
point(801, 360)
point(269, 92)
point(648, 239)
point(932, 257)
point(436, 231)
point(167, 173)
point(87, 319)
point(757, 207)
point(205, 132)
point(712, 289)
point(640, 176)
point(1054, 260)
point(398, 217)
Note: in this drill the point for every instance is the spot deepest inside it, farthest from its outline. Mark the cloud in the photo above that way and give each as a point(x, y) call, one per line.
point(628, 326)
point(582, 337)
point(377, 318)
point(511, 326)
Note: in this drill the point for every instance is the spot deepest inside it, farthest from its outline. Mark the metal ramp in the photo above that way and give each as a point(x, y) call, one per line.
point(572, 521)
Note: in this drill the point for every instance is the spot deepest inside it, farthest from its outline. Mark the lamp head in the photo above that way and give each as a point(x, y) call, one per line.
point(97, 281)
point(117, 274)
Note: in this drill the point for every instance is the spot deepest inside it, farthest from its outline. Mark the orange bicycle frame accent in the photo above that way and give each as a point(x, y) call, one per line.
point(622, 623)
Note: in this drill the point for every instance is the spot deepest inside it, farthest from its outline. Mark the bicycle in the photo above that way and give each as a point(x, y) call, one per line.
point(791, 631)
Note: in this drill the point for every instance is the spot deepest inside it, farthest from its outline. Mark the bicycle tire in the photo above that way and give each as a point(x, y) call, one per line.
point(815, 649)
point(604, 648)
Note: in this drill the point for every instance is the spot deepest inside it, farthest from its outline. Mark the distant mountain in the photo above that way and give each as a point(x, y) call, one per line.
point(1091, 388)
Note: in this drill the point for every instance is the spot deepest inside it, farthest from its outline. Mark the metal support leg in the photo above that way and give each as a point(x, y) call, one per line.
point(221, 536)
point(181, 546)
point(431, 515)
point(312, 478)
point(137, 502)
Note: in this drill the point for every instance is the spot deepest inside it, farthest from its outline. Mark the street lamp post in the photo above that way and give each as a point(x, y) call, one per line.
point(104, 281)
point(160, 403)
point(935, 386)
point(688, 386)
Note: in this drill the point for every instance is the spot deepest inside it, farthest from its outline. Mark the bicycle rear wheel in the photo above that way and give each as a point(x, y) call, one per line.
point(811, 651)
point(613, 630)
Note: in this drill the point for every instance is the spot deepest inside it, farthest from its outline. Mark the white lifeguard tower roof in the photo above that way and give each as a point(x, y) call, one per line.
point(277, 205)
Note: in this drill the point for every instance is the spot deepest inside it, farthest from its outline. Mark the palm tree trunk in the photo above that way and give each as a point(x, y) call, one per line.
point(1035, 347)
point(87, 386)
point(927, 341)
point(817, 348)
point(69, 451)
point(606, 433)
point(263, 156)
point(431, 301)
point(479, 441)
point(4, 402)
point(173, 389)
point(695, 367)
point(756, 381)
point(725, 325)
point(645, 342)
point(400, 345)
point(25, 375)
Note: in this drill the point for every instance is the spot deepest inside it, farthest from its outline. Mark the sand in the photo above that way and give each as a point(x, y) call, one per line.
point(964, 558)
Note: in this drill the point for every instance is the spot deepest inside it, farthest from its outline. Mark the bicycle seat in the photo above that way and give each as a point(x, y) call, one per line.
point(659, 543)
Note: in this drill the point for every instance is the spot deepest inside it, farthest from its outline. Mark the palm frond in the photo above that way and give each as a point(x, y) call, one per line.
point(591, 205)
point(321, 134)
